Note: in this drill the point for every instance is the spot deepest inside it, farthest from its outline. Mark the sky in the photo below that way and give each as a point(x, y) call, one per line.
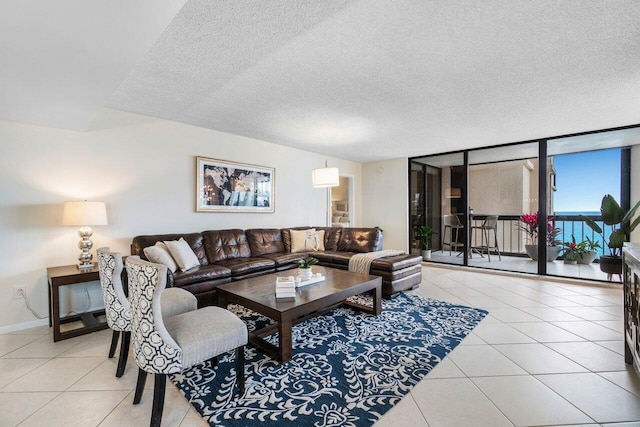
point(583, 178)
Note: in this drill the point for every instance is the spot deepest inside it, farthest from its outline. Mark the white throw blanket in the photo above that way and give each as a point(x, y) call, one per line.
point(361, 263)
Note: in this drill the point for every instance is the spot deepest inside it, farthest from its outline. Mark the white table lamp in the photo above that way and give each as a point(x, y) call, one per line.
point(84, 214)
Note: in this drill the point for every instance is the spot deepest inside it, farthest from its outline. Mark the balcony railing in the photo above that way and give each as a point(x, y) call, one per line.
point(512, 240)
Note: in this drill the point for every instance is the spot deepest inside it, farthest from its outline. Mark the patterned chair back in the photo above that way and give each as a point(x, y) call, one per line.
point(116, 305)
point(155, 350)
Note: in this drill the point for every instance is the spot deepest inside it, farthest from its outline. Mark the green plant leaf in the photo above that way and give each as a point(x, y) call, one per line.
point(424, 234)
point(617, 239)
point(592, 224)
point(630, 215)
point(612, 213)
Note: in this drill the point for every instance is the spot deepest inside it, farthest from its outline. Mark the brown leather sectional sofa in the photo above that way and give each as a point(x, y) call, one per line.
point(227, 255)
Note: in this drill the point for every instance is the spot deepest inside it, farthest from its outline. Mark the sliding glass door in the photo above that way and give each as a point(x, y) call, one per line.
point(582, 179)
point(503, 189)
point(523, 207)
point(437, 189)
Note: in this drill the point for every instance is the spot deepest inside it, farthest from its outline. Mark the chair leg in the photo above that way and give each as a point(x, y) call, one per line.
point(240, 369)
point(495, 236)
point(159, 385)
point(114, 343)
point(444, 238)
point(485, 235)
point(214, 361)
point(459, 244)
point(142, 379)
point(124, 353)
point(457, 235)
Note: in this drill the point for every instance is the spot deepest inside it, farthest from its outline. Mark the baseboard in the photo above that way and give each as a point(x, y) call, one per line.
point(24, 325)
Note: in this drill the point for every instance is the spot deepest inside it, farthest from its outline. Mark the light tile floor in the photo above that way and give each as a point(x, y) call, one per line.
point(549, 353)
point(524, 265)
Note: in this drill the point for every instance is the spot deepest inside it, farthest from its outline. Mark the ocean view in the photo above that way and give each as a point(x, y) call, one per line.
point(579, 229)
point(575, 213)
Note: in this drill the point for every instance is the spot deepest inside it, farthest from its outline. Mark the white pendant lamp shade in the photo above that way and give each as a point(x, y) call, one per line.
point(325, 177)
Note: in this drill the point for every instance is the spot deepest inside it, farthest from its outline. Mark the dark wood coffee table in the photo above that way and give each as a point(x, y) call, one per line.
point(258, 294)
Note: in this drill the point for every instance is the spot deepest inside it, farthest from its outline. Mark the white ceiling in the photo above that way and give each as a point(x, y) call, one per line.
point(61, 60)
point(362, 80)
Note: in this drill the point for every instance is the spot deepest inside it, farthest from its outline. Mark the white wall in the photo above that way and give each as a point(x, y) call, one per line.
point(144, 169)
point(499, 188)
point(385, 200)
point(635, 185)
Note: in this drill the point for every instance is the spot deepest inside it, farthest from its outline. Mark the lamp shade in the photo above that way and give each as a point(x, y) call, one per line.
point(84, 213)
point(326, 177)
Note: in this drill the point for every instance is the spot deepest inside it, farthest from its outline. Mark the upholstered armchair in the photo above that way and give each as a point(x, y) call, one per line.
point(117, 308)
point(170, 345)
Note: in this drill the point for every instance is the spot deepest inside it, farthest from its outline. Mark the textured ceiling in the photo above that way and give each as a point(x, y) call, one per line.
point(61, 60)
point(375, 79)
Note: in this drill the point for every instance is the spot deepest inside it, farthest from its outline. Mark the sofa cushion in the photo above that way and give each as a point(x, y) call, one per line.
point(391, 276)
point(316, 241)
point(286, 236)
point(360, 240)
point(395, 263)
point(331, 237)
point(299, 239)
point(334, 257)
point(222, 245)
point(200, 274)
point(307, 240)
point(182, 254)
point(159, 254)
point(243, 266)
point(264, 241)
point(283, 258)
point(194, 240)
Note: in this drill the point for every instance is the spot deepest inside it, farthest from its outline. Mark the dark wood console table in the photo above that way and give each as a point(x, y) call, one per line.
point(69, 275)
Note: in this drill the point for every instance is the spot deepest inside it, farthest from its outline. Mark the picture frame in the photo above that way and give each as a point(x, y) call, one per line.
point(225, 186)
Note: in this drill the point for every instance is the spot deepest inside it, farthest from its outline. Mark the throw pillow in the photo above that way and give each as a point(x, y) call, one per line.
point(317, 241)
point(307, 240)
point(160, 255)
point(183, 254)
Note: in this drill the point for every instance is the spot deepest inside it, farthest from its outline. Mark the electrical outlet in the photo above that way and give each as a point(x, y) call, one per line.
point(19, 291)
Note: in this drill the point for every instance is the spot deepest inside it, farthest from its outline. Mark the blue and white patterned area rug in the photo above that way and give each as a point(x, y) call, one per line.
point(348, 368)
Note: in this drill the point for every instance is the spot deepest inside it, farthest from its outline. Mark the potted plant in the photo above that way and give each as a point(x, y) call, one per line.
point(424, 234)
point(589, 251)
point(621, 225)
point(572, 251)
point(304, 267)
point(529, 224)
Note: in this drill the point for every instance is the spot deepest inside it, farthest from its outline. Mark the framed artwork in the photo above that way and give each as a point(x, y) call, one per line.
point(223, 186)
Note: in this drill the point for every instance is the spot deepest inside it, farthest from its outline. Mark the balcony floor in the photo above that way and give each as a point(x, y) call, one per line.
point(524, 265)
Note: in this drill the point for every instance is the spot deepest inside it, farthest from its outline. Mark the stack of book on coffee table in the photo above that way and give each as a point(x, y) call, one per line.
point(286, 288)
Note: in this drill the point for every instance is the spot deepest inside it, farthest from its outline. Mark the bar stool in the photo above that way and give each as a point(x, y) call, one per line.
point(451, 223)
point(489, 224)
